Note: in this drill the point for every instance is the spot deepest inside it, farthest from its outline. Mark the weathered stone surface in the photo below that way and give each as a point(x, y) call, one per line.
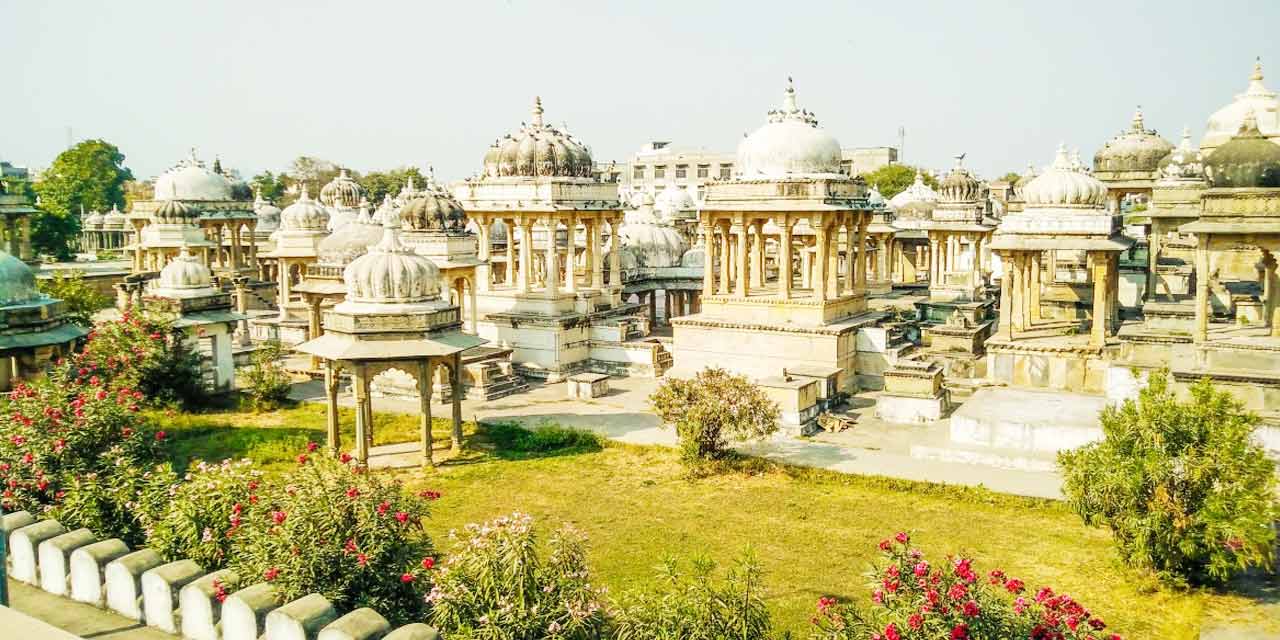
point(124, 582)
point(55, 559)
point(11, 522)
point(23, 546)
point(300, 619)
point(244, 614)
point(361, 624)
point(88, 565)
point(415, 631)
point(200, 607)
point(160, 588)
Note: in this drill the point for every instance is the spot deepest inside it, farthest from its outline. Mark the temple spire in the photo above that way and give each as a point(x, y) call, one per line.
point(789, 97)
point(537, 112)
point(1138, 124)
point(1062, 160)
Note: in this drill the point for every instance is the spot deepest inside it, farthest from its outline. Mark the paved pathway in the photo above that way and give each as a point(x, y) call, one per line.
point(74, 617)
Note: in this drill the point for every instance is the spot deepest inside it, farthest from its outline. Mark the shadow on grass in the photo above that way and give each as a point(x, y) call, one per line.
point(215, 443)
point(509, 441)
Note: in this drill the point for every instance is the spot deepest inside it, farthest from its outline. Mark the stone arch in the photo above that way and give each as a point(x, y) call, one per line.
point(393, 382)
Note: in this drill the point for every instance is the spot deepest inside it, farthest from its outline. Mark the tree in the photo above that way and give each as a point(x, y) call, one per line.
point(1185, 489)
point(378, 184)
point(893, 179)
point(269, 185)
point(82, 299)
point(88, 176)
point(1011, 177)
point(713, 409)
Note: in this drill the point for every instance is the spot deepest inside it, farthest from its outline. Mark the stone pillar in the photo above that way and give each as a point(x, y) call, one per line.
point(859, 283)
point(757, 255)
point(1101, 280)
point(1005, 328)
point(708, 269)
point(1202, 288)
point(472, 311)
point(594, 250)
point(652, 297)
point(882, 257)
point(1153, 259)
point(253, 244)
point(286, 289)
point(456, 432)
point(552, 259)
point(834, 281)
point(24, 248)
point(484, 275)
point(977, 260)
point(526, 255)
point(425, 368)
point(360, 385)
point(1018, 285)
point(822, 262)
point(740, 288)
point(784, 258)
point(237, 258)
point(806, 267)
point(571, 254)
point(509, 277)
point(1034, 298)
point(241, 285)
point(933, 260)
point(723, 288)
point(331, 380)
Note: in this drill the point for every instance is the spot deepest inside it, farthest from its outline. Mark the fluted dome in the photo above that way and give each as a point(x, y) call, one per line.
point(304, 214)
point(538, 150)
point(1136, 149)
point(959, 185)
point(342, 191)
point(191, 180)
point(1184, 164)
point(874, 199)
point(1065, 184)
point(174, 212)
point(93, 220)
point(391, 273)
point(790, 144)
point(654, 244)
point(185, 275)
point(268, 214)
point(918, 199)
point(1226, 122)
point(17, 281)
point(1024, 180)
point(675, 202)
point(695, 258)
point(114, 219)
point(433, 208)
point(349, 241)
point(1247, 160)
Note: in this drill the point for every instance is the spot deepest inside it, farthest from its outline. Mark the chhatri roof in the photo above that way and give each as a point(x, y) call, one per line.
point(1226, 122)
point(1065, 209)
point(191, 180)
point(1134, 150)
point(538, 149)
point(1246, 160)
point(790, 144)
point(342, 192)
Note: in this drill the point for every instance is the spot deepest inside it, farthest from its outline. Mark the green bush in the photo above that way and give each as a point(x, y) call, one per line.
point(515, 441)
point(204, 511)
point(1184, 488)
point(123, 500)
point(355, 538)
point(496, 587)
point(267, 384)
point(712, 410)
point(697, 605)
point(140, 352)
point(82, 300)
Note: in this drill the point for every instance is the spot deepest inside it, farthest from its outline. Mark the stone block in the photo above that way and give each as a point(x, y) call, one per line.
point(200, 607)
point(160, 588)
point(88, 567)
point(361, 624)
point(11, 522)
point(55, 559)
point(415, 631)
point(910, 410)
point(124, 582)
point(244, 614)
point(24, 544)
point(300, 619)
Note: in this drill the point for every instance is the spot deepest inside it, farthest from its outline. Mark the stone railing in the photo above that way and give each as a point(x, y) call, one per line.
point(177, 597)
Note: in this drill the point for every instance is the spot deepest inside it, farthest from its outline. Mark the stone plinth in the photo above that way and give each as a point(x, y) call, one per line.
point(913, 393)
point(55, 559)
point(587, 385)
point(1170, 316)
point(24, 547)
point(797, 400)
point(1036, 421)
point(88, 570)
point(1064, 363)
point(301, 619)
point(201, 610)
point(160, 589)
point(361, 624)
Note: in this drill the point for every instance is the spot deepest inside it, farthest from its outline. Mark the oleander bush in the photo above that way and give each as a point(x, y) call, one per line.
point(204, 511)
point(495, 585)
point(913, 598)
point(696, 604)
point(142, 352)
point(1186, 491)
point(266, 383)
point(713, 410)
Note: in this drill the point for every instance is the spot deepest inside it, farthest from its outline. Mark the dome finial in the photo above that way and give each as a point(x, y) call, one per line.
point(1138, 124)
point(305, 195)
point(1256, 76)
point(1186, 138)
point(537, 112)
point(1062, 160)
point(789, 97)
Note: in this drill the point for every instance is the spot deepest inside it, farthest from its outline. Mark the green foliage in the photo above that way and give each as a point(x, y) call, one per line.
point(355, 538)
point(122, 500)
point(267, 384)
point(697, 605)
point(141, 352)
point(893, 179)
point(912, 597)
point(513, 441)
point(496, 587)
point(712, 410)
point(82, 300)
point(203, 512)
point(269, 185)
point(1011, 177)
point(378, 184)
point(88, 176)
point(1183, 487)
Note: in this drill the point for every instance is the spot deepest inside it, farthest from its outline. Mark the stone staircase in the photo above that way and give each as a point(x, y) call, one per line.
point(663, 361)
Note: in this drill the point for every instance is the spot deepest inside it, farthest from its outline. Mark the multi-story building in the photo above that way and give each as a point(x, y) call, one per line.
point(658, 163)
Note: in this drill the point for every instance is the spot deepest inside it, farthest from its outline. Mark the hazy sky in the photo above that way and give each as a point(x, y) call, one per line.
point(375, 85)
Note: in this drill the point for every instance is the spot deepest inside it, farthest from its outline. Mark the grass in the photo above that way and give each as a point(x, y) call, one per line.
point(815, 531)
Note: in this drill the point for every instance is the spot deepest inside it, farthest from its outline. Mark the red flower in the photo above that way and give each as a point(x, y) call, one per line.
point(362, 559)
point(891, 633)
point(350, 547)
point(885, 544)
point(271, 574)
point(915, 621)
point(302, 458)
point(971, 609)
point(921, 569)
point(406, 578)
point(960, 632)
point(353, 492)
point(345, 458)
point(429, 494)
point(428, 563)
point(402, 517)
point(311, 447)
point(902, 537)
point(1013, 585)
point(1044, 594)
point(932, 596)
point(383, 507)
point(957, 592)
point(278, 517)
point(160, 436)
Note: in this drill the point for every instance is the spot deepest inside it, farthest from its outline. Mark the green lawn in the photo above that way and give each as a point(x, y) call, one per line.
point(814, 531)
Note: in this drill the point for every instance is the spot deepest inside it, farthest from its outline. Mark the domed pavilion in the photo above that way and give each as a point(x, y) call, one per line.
point(392, 317)
point(303, 228)
point(1225, 123)
point(1129, 162)
point(911, 209)
point(33, 327)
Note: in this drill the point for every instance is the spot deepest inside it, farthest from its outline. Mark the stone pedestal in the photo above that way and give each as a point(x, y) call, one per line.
point(797, 400)
point(913, 393)
point(587, 385)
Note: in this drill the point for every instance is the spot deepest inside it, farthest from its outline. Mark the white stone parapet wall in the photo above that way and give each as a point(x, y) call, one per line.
point(177, 597)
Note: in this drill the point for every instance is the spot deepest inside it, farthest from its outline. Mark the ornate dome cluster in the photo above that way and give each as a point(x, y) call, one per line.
point(342, 192)
point(1024, 180)
point(191, 180)
point(93, 220)
point(114, 219)
point(268, 214)
point(790, 144)
point(1258, 100)
point(433, 208)
point(184, 275)
point(959, 185)
point(1247, 160)
point(391, 273)
point(654, 244)
point(1184, 164)
point(349, 241)
point(1136, 149)
point(538, 150)
point(17, 281)
point(304, 214)
point(675, 202)
point(918, 199)
point(174, 212)
point(1065, 183)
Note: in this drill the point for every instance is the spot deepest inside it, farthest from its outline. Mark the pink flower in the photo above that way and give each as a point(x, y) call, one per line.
point(960, 632)
point(302, 458)
point(311, 447)
point(970, 609)
point(160, 436)
point(271, 574)
point(1013, 585)
point(891, 632)
point(278, 517)
point(402, 517)
point(383, 507)
point(902, 537)
point(406, 578)
point(362, 559)
point(915, 621)
point(957, 592)
point(353, 492)
point(885, 544)
point(921, 569)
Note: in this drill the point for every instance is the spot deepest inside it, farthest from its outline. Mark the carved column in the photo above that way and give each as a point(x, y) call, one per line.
point(526, 254)
point(1153, 260)
point(1202, 288)
point(484, 269)
point(615, 256)
point(314, 328)
point(1005, 328)
point(1034, 313)
point(331, 379)
point(723, 288)
point(1101, 280)
point(757, 255)
point(360, 385)
point(570, 254)
point(424, 394)
point(708, 257)
point(821, 261)
point(740, 287)
point(594, 268)
point(509, 277)
point(859, 280)
point(784, 258)
point(456, 432)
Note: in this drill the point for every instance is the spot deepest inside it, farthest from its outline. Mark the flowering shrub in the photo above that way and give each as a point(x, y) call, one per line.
point(712, 410)
point(1183, 486)
point(495, 586)
point(266, 382)
point(139, 352)
point(324, 528)
point(204, 511)
point(122, 501)
point(914, 598)
point(697, 605)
